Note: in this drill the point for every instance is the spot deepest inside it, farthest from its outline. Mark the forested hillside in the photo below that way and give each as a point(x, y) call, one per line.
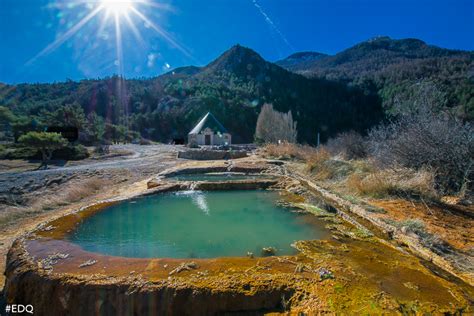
point(233, 87)
point(405, 73)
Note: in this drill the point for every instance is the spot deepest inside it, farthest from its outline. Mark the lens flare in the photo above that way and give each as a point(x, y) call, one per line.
point(117, 7)
point(121, 13)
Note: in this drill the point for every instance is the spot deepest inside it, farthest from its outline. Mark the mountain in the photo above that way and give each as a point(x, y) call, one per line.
point(299, 59)
point(233, 87)
point(403, 72)
point(187, 70)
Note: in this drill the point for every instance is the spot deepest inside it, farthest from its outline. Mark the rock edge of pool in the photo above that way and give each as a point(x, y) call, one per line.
point(354, 270)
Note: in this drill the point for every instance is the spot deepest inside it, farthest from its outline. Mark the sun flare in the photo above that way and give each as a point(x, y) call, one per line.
point(123, 15)
point(117, 6)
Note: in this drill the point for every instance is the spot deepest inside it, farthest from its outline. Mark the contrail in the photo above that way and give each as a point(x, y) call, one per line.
point(271, 24)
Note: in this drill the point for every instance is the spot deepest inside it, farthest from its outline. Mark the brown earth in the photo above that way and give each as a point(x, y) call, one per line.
point(453, 227)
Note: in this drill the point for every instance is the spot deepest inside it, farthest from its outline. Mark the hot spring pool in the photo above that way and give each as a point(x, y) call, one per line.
point(196, 224)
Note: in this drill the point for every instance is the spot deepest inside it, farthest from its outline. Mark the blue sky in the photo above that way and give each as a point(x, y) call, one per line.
point(199, 31)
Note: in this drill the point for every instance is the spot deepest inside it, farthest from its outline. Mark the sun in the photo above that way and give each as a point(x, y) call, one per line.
point(123, 15)
point(118, 7)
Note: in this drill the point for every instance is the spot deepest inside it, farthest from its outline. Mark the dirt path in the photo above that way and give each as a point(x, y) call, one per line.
point(15, 187)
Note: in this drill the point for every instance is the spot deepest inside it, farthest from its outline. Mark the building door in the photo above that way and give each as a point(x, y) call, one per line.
point(207, 139)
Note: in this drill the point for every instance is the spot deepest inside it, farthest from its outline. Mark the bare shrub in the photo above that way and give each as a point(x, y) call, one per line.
point(274, 126)
point(102, 149)
point(350, 145)
point(420, 95)
point(442, 143)
point(145, 142)
point(400, 182)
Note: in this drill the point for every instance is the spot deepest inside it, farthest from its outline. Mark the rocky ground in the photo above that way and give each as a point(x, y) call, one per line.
point(29, 196)
point(436, 231)
point(381, 271)
point(19, 179)
point(354, 271)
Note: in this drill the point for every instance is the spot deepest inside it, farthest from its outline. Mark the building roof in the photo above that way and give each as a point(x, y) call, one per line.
point(208, 121)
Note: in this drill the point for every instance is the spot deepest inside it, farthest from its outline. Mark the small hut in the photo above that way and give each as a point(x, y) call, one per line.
point(209, 131)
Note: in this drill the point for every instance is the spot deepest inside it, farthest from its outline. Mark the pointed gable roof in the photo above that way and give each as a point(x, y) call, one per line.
point(208, 121)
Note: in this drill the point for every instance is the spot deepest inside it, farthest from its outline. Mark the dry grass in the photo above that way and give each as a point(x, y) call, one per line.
point(69, 193)
point(288, 151)
point(74, 193)
point(318, 164)
point(316, 159)
point(393, 182)
point(359, 177)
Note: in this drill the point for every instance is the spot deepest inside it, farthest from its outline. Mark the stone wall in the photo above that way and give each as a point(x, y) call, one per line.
point(211, 154)
point(57, 294)
point(234, 185)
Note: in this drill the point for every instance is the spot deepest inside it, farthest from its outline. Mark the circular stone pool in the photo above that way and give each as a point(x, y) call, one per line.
point(196, 224)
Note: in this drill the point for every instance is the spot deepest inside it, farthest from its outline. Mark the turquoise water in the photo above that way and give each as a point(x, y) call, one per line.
point(218, 177)
point(196, 224)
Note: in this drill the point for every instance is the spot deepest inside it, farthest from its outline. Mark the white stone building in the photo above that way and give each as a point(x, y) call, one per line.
point(209, 131)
